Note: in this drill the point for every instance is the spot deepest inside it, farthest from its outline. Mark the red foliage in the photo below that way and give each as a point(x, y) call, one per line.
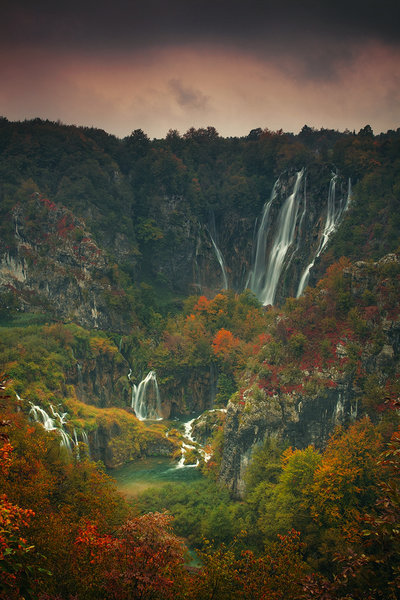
point(49, 203)
point(202, 304)
point(145, 559)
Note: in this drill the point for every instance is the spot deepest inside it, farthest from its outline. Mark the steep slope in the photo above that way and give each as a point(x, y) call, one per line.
point(329, 358)
point(49, 263)
point(184, 214)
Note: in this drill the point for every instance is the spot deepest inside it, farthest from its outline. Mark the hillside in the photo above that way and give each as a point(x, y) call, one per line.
point(169, 279)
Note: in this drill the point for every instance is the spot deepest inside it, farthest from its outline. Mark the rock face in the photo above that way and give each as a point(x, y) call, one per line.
point(193, 254)
point(102, 380)
point(298, 422)
point(194, 392)
point(53, 265)
point(368, 355)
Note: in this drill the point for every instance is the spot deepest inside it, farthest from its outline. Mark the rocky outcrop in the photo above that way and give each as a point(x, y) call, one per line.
point(102, 378)
point(54, 266)
point(297, 421)
point(363, 361)
point(118, 442)
point(206, 425)
point(190, 393)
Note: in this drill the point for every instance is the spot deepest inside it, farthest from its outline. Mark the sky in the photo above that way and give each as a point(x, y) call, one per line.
point(235, 65)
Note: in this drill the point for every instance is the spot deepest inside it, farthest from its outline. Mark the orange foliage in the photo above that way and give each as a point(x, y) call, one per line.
point(346, 480)
point(224, 343)
point(202, 304)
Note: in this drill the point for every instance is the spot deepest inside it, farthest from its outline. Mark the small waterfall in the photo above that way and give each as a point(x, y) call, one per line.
point(95, 313)
point(62, 419)
point(76, 445)
point(333, 216)
point(188, 429)
point(39, 415)
point(265, 279)
point(220, 259)
point(79, 369)
point(188, 435)
point(85, 440)
point(146, 400)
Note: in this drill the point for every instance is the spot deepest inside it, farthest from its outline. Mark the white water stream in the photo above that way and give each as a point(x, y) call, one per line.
point(146, 401)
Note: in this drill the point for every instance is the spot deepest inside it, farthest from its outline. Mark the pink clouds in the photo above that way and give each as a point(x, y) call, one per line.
point(202, 84)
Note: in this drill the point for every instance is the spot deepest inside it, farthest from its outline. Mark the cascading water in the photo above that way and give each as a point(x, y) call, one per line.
point(256, 280)
point(146, 400)
point(266, 274)
point(334, 214)
point(76, 444)
point(85, 440)
point(221, 261)
point(40, 416)
point(188, 435)
point(212, 232)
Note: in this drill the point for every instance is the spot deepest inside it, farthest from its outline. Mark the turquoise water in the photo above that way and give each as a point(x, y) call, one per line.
point(139, 475)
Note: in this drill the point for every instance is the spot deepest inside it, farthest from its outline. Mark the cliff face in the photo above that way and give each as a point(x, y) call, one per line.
point(298, 421)
point(101, 378)
point(193, 392)
point(50, 261)
point(235, 249)
point(52, 265)
point(304, 408)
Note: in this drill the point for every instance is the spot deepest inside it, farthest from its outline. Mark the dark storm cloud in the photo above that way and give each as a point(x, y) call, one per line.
point(187, 96)
point(320, 34)
point(258, 24)
point(161, 64)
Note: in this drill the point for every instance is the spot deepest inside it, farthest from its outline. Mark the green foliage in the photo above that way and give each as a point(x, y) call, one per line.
point(201, 509)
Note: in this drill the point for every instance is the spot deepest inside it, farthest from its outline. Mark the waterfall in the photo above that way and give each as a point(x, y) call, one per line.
point(147, 405)
point(79, 369)
point(95, 313)
point(265, 278)
point(256, 281)
point(76, 445)
point(212, 232)
point(333, 216)
point(220, 259)
point(40, 416)
point(188, 429)
point(85, 440)
point(188, 435)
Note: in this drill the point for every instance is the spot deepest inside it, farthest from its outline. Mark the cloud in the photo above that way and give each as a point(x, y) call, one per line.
point(179, 88)
point(187, 96)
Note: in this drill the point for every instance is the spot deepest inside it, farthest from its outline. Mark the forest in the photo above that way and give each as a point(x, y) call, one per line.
point(109, 271)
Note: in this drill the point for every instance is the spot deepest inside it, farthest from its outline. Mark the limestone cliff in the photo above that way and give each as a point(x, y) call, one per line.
point(300, 402)
point(51, 264)
point(235, 249)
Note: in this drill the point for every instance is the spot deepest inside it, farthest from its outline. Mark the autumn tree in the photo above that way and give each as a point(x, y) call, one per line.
point(144, 559)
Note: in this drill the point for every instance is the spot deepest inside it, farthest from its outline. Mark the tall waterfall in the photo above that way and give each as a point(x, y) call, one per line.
point(334, 214)
point(267, 271)
point(257, 277)
point(146, 400)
